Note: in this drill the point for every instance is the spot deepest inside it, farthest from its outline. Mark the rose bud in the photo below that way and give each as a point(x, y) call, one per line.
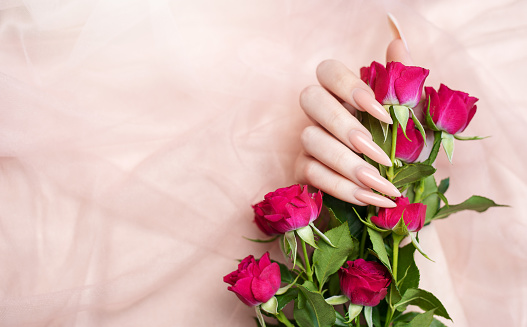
point(414, 215)
point(409, 150)
point(364, 282)
point(395, 84)
point(256, 281)
point(451, 111)
point(287, 209)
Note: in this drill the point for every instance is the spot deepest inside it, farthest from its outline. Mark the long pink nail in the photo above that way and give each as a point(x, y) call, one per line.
point(366, 146)
point(374, 199)
point(368, 103)
point(373, 179)
point(396, 30)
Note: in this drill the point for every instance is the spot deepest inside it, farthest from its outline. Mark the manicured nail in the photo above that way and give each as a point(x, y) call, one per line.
point(373, 179)
point(366, 146)
point(374, 199)
point(364, 100)
point(396, 30)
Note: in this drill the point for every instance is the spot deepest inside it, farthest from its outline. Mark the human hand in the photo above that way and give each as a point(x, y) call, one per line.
point(330, 159)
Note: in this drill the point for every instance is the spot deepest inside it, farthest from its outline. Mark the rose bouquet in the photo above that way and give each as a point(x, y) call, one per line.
point(349, 268)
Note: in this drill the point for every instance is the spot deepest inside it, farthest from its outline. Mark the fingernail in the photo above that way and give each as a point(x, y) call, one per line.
point(364, 100)
point(373, 179)
point(396, 30)
point(366, 146)
point(374, 199)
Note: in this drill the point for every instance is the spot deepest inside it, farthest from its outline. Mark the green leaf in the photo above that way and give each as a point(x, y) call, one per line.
point(287, 297)
point(447, 140)
point(435, 149)
point(412, 173)
point(376, 130)
point(404, 319)
point(343, 211)
point(428, 118)
point(424, 300)
point(259, 316)
point(368, 316)
point(422, 320)
point(337, 299)
point(430, 198)
point(311, 310)
point(475, 202)
point(291, 242)
point(321, 235)
point(418, 125)
point(418, 246)
point(443, 185)
point(271, 306)
point(402, 114)
point(378, 247)
point(256, 240)
point(285, 273)
point(469, 138)
point(306, 234)
point(353, 311)
point(407, 270)
point(328, 260)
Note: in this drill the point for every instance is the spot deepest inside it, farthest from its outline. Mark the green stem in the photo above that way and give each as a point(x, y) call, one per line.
point(357, 321)
point(389, 315)
point(419, 191)
point(283, 319)
point(309, 272)
point(396, 241)
point(363, 241)
point(392, 153)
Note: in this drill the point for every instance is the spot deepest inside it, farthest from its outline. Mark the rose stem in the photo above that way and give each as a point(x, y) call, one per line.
point(357, 321)
point(309, 273)
point(283, 319)
point(363, 241)
point(396, 241)
point(394, 144)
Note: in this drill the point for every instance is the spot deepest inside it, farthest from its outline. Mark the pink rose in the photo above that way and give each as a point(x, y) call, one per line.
point(287, 209)
point(395, 84)
point(255, 281)
point(450, 110)
point(414, 215)
point(409, 150)
point(364, 282)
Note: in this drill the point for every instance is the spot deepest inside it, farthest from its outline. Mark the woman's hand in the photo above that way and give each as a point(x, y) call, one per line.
point(330, 158)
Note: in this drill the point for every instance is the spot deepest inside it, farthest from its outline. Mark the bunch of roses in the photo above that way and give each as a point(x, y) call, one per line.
point(401, 87)
point(288, 210)
point(369, 273)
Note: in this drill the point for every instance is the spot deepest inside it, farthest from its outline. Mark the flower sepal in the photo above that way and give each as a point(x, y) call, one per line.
point(270, 306)
point(337, 299)
point(353, 311)
point(447, 140)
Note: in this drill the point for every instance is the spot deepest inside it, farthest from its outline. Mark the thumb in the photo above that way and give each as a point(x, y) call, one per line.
point(397, 49)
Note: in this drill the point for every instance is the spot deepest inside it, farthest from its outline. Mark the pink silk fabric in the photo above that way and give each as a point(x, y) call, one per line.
point(135, 135)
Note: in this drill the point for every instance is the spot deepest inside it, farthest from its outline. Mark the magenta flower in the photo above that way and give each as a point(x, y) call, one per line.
point(287, 209)
point(414, 215)
point(364, 282)
point(395, 84)
point(409, 150)
point(451, 111)
point(256, 281)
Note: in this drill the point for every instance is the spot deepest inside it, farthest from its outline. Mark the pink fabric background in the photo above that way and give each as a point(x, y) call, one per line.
point(135, 135)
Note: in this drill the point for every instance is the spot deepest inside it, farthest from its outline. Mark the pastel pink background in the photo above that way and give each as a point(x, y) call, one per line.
point(135, 135)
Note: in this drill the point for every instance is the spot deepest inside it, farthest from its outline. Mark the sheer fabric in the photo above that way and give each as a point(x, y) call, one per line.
point(135, 135)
